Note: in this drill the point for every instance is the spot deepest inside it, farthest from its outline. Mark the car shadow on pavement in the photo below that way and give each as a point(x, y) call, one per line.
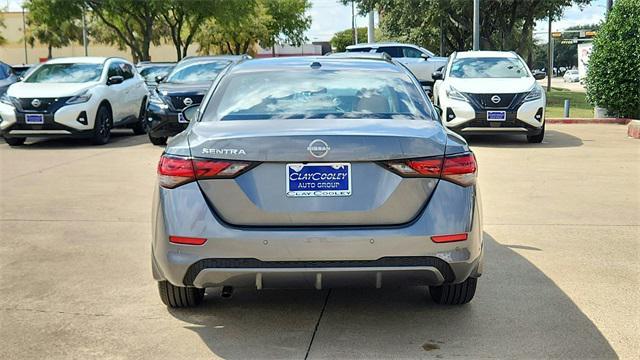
point(518, 312)
point(119, 138)
point(552, 139)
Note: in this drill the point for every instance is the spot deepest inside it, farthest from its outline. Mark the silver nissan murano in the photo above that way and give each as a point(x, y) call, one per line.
point(316, 172)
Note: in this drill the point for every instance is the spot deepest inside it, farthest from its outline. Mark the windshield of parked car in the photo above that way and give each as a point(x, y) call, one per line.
point(65, 73)
point(314, 94)
point(149, 73)
point(497, 67)
point(197, 71)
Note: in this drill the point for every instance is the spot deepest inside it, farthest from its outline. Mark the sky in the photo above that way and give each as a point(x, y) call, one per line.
point(330, 16)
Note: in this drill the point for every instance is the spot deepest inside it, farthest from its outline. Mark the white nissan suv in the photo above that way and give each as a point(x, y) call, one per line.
point(74, 97)
point(490, 91)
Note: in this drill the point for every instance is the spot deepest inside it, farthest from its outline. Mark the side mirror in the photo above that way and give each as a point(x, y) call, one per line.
point(159, 78)
point(20, 78)
point(190, 112)
point(539, 75)
point(437, 75)
point(438, 110)
point(424, 56)
point(115, 80)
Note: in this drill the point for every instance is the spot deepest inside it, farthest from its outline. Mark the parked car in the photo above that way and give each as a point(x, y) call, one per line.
point(7, 77)
point(571, 76)
point(491, 91)
point(152, 71)
point(320, 172)
point(185, 85)
point(21, 69)
point(74, 97)
point(419, 60)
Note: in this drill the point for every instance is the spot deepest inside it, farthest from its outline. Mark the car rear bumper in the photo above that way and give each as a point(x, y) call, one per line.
point(316, 257)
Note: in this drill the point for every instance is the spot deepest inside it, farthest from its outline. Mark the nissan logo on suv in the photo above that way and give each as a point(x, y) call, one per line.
point(36, 102)
point(495, 99)
point(187, 101)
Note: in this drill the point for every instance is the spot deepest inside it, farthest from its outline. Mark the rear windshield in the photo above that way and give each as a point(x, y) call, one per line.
point(65, 73)
point(316, 94)
point(197, 71)
point(499, 67)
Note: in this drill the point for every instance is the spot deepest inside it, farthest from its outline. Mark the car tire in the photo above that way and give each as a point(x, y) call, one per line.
point(140, 127)
point(536, 139)
point(15, 141)
point(454, 294)
point(179, 296)
point(158, 140)
point(102, 126)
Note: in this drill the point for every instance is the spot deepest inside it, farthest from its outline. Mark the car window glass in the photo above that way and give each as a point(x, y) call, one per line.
point(360, 49)
point(410, 52)
point(150, 73)
point(127, 71)
point(114, 70)
point(197, 71)
point(65, 73)
point(317, 95)
point(5, 71)
point(498, 67)
point(393, 51)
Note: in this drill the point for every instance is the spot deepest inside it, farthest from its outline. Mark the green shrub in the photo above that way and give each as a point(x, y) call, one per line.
point(613, 78)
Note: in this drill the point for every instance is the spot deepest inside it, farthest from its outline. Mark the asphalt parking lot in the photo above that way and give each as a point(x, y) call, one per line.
point(562, 228)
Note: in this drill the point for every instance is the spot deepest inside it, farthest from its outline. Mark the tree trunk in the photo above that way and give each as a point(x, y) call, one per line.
point(49, 53)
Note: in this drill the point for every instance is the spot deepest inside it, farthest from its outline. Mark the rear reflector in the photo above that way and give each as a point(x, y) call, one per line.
point(460, 168)
point(183, 240)
point(176, 170)
point(449, 238)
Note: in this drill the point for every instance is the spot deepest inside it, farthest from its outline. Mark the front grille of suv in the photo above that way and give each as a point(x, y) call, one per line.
point(178, 101)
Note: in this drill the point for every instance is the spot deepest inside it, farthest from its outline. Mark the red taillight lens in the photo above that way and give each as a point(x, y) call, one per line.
point(449, 238)
point(185, 240)
point(460, 168)
point(175, 170)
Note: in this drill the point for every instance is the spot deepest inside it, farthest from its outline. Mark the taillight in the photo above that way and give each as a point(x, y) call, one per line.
point(449, 238)
point(460, 168)
point(176, 170)
point(185, 240)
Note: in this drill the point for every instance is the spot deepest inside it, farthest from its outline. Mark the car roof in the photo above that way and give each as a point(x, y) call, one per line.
point(378, 44)
point(232, 58)
point(82, 60)
point(361, 55)
point(486, 54)
point(325, 62)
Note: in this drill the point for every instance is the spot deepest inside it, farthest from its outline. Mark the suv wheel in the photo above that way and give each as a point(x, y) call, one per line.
point(159, 140)
point(15, 141)
point(536, 139)
point(454, 294)
point(179, 296)
point(140, 127)
point(102, 127)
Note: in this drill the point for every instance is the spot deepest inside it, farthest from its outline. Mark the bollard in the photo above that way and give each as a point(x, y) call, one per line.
point(567, 103)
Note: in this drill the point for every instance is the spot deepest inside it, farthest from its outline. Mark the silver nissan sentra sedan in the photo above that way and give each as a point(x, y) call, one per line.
point(316, 172)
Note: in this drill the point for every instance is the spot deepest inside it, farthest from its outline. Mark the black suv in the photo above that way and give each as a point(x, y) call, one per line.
point(185, 85)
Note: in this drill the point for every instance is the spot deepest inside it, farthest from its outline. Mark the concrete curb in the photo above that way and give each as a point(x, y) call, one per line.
point(634, 129)
point(620, 121)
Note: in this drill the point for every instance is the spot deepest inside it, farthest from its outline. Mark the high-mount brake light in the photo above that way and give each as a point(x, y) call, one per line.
point(176, 170)
point(460, 168)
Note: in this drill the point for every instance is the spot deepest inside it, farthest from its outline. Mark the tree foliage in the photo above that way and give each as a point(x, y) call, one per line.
point(613, 77)
point(245, 23)
point(504, 24)
point(344, 38)
point(2, 25)
point(55, 23)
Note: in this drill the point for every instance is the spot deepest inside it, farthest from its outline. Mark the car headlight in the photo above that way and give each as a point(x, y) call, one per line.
point(80, 98)
point(534, 94)
point(454, 94)
point(6, 99)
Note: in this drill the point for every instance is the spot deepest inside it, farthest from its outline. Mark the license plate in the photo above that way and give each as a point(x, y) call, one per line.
point(181, 119)
point(496, 116)
point(319, 179)
point(34, 119)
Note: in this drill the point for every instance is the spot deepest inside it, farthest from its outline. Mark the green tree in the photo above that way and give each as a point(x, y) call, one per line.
point(55, 23)
point(344, 38)
point(504, 24)
point(183, 19)
point(613, 77)
point(2, 25)
point(128, 23)
point(246, 23)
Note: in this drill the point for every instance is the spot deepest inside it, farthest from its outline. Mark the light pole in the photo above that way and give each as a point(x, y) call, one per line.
point(371, 37)
point(550, 55)
point(84, 33)
point(476, 25)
